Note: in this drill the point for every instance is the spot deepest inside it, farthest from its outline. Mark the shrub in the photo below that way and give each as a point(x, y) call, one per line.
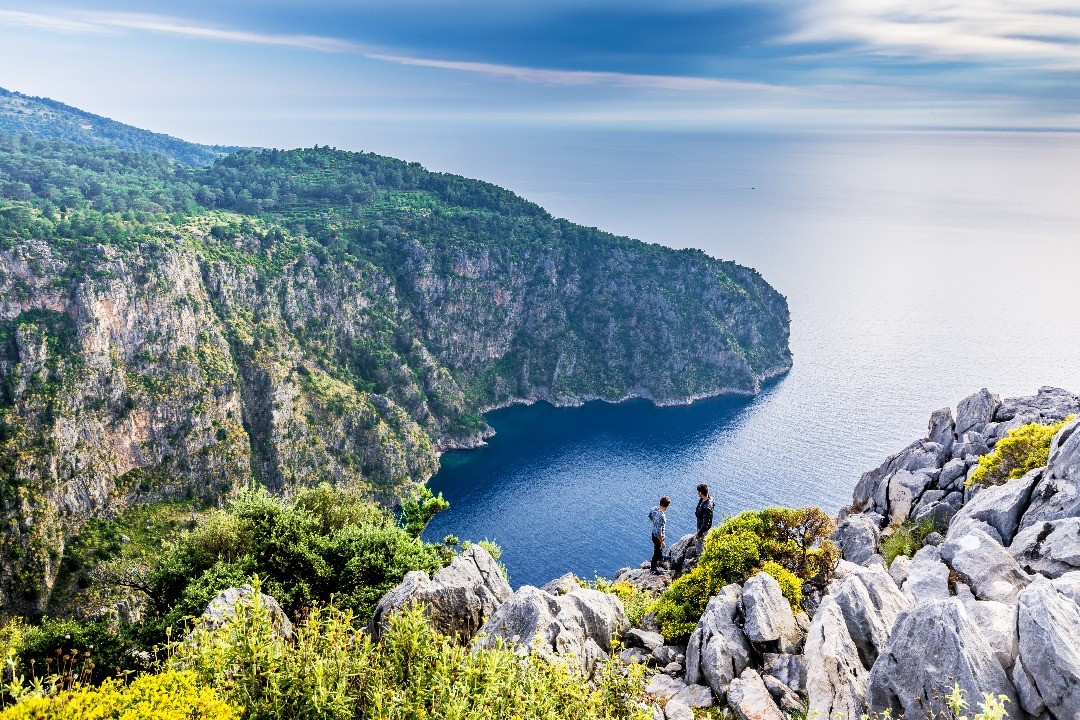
point(167, 696)
point(1025, 448)
point(333, 672)
point(325, 543)
point(906, 539)
point(76, 650)
point(793, 540)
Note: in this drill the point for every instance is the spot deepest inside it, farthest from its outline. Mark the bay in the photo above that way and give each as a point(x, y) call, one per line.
point(919, 267)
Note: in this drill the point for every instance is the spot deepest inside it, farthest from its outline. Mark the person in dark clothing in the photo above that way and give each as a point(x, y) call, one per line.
point(703, 512)
point(658, 518)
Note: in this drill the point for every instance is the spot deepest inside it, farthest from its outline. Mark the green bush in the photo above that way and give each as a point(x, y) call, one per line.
point(775, 539)
point(636, 602)
point(1025, 448)
point(906, 539)
point(330, 671)
point(323, 544)
point(72, 649)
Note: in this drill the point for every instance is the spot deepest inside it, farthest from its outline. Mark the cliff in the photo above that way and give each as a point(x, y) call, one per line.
point(288, 318)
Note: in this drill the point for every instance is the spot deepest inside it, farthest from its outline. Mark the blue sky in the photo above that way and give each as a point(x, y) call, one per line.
point(279, 72)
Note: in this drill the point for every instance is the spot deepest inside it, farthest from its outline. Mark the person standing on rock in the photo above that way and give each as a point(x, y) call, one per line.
point(703, 512)
point(658, 516)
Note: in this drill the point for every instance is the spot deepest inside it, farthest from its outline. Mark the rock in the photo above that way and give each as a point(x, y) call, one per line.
point(953, 474)
point(695, 696)
point(633, 656)
point(975, 411)
point(677, 710)
point(942, 428)
point(1049, 626)
point(644, 579)
point(835, 677)
point(898, 571)
point(457, 599)
point(643, 639)
point(222, 609)
point(718, 650)
point(582, 623)
point(562, 585)
point(870, 603)
point(782, 695)
point(904, 490)
point(788, 669)
point(767, 616)
point(928, 577)
point(985, 566)
point(1057, 494)
point(673, 669)
point(684, 554)
point(664, 686)
point(1000, 506)
point(934, 645)
point(1069, 585)
point(1049, 548)
point(665, 654)
point(750, 698)
point(1031, 701)
point(858, 537)
point(997, 623)
point(933, 539)
point(1050, 404)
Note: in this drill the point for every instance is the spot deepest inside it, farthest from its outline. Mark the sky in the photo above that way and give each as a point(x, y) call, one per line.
point(287, 73)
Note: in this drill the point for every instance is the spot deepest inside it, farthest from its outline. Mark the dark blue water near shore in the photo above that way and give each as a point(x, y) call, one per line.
point(918, 268)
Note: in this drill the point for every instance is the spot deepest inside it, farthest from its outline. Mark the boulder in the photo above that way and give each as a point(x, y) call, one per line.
point(981, 563)
point(898, 571)
point(562, 585)
point(1069, 585)
point(643, 579)
point(767, 615)
point(1049, 626)
point(643, 639)
point(683, 555)
point(1000, 506)
point(905, 488)
point(666, 654)
point(457, 599)
point(583, 623)
point(1050, 404)
point(996, 621)
point(934, 645)
point(1049, 548)
point(1057, 494)
point(927, 576)
point(750, 699)
point(870, 603)
point(788, 669)
point(677, 710)
point(835, 677)
point(222, 609)
point(784, 696)
point(633, 656)
point(664, 686)
point(975, 411)
point(1031, 701)
point(858, 537)
point(718, 650)
point(953, 474)
point(942, 427)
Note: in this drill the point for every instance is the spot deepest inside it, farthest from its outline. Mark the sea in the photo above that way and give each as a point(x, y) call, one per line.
point(919, 267)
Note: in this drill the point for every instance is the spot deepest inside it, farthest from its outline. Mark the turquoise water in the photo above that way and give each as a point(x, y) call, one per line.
point(918, 267)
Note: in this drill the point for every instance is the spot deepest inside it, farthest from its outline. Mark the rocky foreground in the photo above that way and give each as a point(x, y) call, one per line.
point(991, 601)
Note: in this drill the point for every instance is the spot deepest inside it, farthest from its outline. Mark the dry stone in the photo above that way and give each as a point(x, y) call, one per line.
point(718, 650)
point(835, 677)
point(750, 699)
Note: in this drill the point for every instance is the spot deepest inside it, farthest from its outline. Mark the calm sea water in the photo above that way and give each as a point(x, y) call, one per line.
point(918, 267)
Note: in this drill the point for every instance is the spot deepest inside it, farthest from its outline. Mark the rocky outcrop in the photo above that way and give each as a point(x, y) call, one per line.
point(456, 600)
point(767, 615)
point(870, 603)
point(1049, 644)
point(223, 608)
point(582, 624)
point(750, 698)
point(911, 680)
point(718, 650)
point(836, 678)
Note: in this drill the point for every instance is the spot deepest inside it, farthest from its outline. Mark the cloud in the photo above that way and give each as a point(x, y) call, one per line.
point(1040, 31)
point(581, 77)
point(101, 22)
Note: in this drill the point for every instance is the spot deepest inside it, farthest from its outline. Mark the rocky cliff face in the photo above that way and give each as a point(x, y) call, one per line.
point(146, 357)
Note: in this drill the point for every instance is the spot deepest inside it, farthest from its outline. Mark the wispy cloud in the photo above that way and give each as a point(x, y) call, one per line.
point(100, 22)
point(581, 77)
point(980, 30)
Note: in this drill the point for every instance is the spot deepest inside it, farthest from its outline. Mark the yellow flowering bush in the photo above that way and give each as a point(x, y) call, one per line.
point(166, 696)
point(1025, 448)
